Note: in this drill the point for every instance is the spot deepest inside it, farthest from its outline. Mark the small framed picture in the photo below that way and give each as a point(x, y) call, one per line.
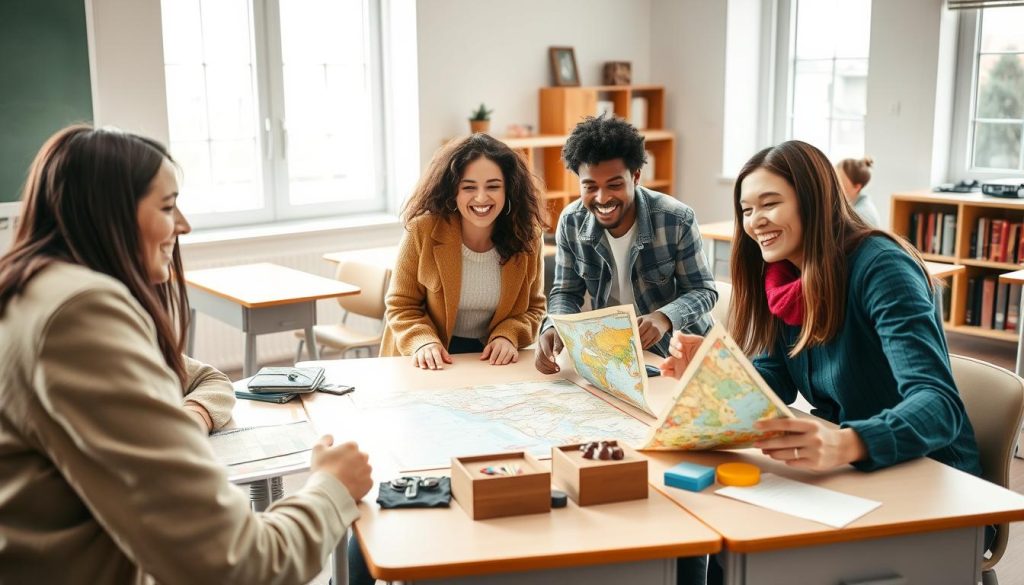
point(563, 66)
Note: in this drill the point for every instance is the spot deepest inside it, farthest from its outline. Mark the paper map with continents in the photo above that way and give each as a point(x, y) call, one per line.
point(605, 349)
point(719, 398)
point(429, 427)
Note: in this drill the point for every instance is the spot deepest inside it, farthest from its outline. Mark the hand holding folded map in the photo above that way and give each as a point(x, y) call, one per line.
point(719, 396)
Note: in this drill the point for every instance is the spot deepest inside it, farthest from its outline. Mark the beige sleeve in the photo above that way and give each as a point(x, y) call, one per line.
point(406, 299)
point(210, 389)
point(111, 420)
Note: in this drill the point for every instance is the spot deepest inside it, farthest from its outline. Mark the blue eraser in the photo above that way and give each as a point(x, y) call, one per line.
point(690, 476)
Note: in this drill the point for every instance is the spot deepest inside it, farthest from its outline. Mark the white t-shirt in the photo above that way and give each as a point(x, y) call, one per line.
point(622, 275)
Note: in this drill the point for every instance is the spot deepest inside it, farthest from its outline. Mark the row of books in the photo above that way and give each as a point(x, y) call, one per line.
point(933, 232)
point(993, 305)
point(997, 240)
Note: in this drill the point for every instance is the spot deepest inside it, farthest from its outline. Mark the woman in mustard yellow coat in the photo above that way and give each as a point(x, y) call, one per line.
point(469, 273)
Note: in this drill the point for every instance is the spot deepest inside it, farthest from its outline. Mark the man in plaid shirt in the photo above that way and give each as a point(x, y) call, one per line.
point(625, 244)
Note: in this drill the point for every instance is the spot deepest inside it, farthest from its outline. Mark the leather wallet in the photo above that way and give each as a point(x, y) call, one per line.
point(300, 380)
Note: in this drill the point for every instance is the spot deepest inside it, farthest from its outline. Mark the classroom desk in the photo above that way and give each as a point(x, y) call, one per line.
point(634, 542)
point(1017, 277)
point(260, 298)
point(718, 242)
point(929, 528)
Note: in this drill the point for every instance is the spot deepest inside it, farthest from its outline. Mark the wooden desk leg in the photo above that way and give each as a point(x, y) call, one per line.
point(249, 365)
point(311, 347)
point(340, 563)
point(190, 342)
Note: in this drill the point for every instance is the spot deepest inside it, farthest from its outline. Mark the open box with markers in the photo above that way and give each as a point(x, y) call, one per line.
point(501, 484)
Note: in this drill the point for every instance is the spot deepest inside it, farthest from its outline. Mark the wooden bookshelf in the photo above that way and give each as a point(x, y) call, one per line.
point(561, 108)
point(967, 208)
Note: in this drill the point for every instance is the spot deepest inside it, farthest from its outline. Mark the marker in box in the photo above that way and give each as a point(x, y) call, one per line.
point(690, 476)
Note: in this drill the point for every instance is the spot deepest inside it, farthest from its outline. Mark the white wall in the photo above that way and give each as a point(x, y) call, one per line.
point(494, 51)
point(908, 96)
point(688, 57)
point(126, 46)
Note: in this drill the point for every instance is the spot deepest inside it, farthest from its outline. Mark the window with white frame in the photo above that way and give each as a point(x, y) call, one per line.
point(826, 81)
point(275, 108)
point(989, 125)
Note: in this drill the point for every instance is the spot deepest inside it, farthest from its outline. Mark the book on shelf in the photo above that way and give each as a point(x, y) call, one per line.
point(999, 320)
point(988, 302)
point(969, 307)
point(1013, 308)
point(948, 233)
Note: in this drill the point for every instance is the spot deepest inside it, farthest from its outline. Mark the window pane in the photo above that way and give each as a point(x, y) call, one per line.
point(182, 16)
point(328, 103)
point(997, 146)
point(851, 89)
point(226, 27)
point(847, 140)
point(193, 157)
point(1001, 30)
point(816, 36)
point(851, 26)
point(812, 131)
point(235, 179)
point(186, 102)
point(812, 87)
point(232, 111)
point(1001, 86)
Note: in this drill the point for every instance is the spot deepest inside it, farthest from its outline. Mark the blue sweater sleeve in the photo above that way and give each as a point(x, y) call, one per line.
point(898, 302)
point(772, 367)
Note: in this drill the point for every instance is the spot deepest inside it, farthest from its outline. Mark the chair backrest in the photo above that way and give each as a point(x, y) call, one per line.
point(994, 399)
point(721, 310)
point(372, 280)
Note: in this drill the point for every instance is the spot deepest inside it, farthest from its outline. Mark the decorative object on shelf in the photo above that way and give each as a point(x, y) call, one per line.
point(480, 119)
point(519, 130)
point(563, 66)
point(617, 73)
point(638, 112)
point(647, 172)
point(605, 108)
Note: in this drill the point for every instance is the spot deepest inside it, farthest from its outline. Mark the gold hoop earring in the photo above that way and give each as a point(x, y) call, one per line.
point(508, 207)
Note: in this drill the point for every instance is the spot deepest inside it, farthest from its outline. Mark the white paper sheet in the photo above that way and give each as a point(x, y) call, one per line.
point(251, 444)
point(804, 501)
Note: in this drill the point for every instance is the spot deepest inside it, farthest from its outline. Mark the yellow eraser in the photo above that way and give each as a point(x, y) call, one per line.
point(737, 474)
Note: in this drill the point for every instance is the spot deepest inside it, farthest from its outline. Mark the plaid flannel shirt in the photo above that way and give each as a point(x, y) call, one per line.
point(669, 270)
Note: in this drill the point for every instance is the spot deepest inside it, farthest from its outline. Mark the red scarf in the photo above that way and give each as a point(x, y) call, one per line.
point(785, 292)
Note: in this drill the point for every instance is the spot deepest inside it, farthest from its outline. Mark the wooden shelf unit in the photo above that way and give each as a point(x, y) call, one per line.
point(561, 108)
point(968, 208)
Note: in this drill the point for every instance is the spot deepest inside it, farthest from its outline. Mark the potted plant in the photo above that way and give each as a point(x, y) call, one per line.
point(480, 119)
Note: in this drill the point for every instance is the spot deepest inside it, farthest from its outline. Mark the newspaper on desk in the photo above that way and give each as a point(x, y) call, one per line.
point(264, 446)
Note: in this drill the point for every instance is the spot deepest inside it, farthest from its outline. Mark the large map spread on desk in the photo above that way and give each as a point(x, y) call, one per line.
point(720, 397)
point(429, 427)
point(605, 349)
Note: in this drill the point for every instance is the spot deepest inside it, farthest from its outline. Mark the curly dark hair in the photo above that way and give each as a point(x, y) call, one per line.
point(595, 140)
point(514, 232)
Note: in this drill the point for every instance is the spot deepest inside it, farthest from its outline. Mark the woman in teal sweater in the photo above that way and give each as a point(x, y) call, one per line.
point(845, 315)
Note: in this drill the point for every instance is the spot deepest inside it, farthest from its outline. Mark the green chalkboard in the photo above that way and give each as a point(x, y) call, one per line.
point(44, 80)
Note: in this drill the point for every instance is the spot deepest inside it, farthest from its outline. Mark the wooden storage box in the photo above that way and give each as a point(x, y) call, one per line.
point(597, 481)
point(493, 496)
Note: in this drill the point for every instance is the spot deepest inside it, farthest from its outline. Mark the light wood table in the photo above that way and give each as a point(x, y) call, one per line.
point(261, 298)
point(626, 542)
point(1017, 277)
point(929, 528)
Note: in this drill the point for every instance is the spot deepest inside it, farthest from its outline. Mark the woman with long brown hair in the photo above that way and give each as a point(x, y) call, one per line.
point(469, 274)
point(845, 315)
point(93, 313)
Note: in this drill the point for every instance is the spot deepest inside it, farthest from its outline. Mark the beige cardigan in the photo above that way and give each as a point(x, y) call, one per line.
point(423, 299)
point(106, 479)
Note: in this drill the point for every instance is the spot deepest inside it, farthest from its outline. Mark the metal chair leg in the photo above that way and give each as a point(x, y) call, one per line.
point(989, 577)
point(298, 351)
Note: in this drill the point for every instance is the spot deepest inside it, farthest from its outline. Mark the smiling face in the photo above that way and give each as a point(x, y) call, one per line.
point(608, 189)
point(771, 216)
point(160, 223)
point(481, 195)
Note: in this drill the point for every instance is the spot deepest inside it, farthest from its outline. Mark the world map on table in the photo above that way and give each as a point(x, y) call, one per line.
point(604, 349)
point(721, 398)
point(429, 427)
